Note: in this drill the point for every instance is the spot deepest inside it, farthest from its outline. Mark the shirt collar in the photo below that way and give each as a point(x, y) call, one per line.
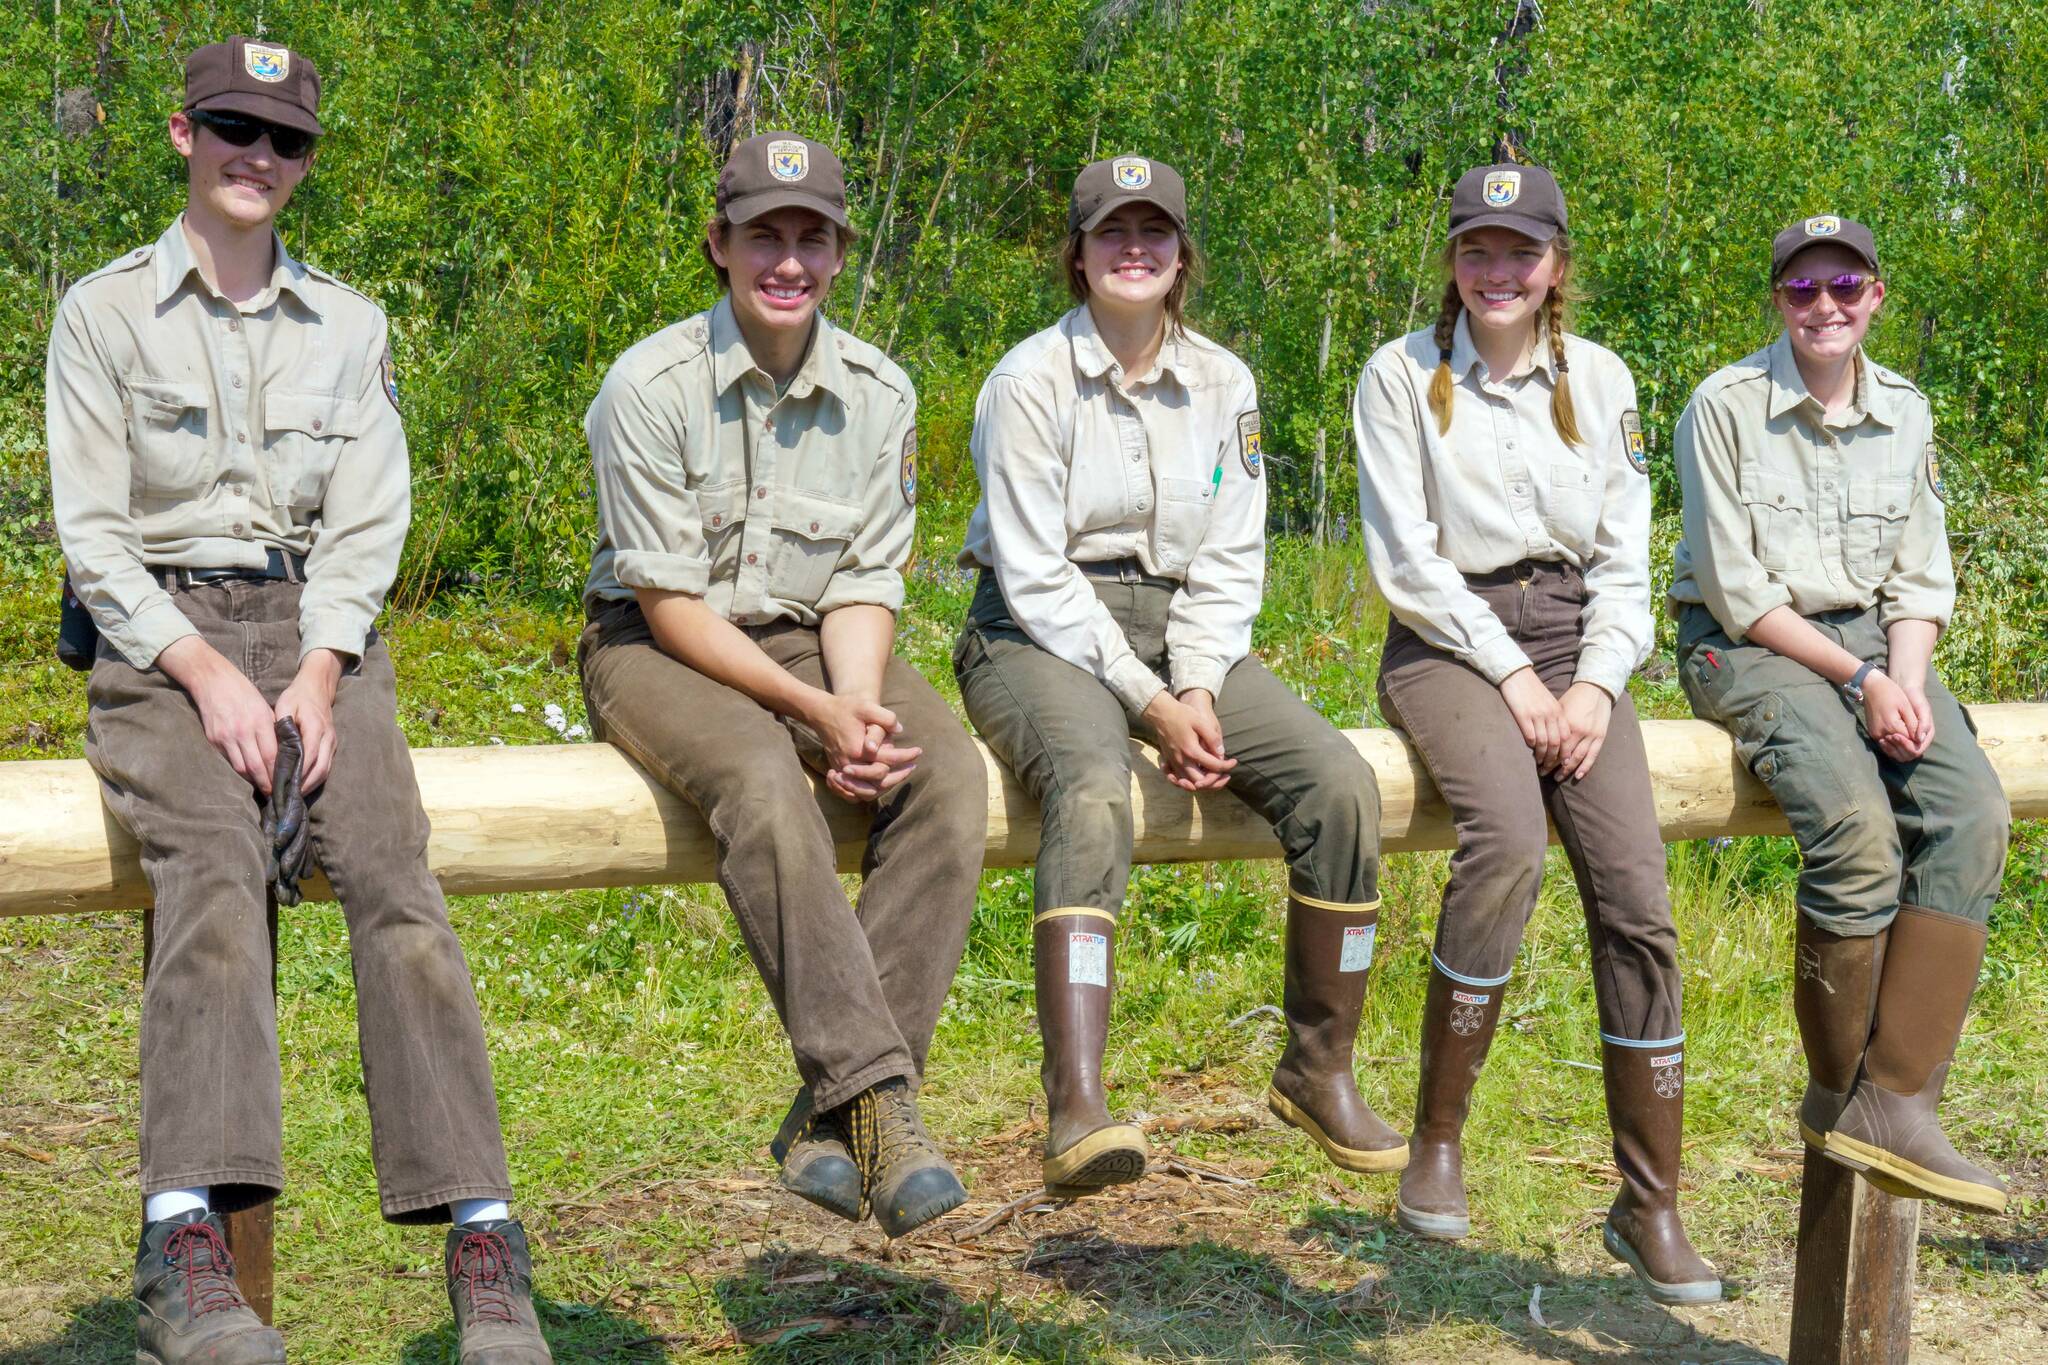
point(731, 360)
point(1092, 356)
point(1788, 387)
point(175, 263)
point(1464, 355)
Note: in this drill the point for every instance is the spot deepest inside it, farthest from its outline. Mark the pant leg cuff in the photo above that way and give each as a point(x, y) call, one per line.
point(269, 1178)
point(831, 1095)
point(416, 1209)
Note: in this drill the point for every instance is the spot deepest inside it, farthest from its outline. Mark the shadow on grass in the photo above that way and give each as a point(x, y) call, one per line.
point(2024, 1254)
point(1200, 1300)
point(575, 1332)
point(101, 1332)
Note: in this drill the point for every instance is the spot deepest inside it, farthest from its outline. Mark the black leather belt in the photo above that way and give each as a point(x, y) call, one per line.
point(1125, 570)
point(277, 566)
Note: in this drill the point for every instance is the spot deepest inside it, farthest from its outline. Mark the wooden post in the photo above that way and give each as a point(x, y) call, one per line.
point(250, 1233)
point(1852, 1291)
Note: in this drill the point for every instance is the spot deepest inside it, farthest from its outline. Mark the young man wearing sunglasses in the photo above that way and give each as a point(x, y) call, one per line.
point(1811, 584)
point(232, 492)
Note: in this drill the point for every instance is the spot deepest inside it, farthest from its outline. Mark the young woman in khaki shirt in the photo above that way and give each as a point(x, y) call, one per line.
point(1506, 510)
point(1121, 535)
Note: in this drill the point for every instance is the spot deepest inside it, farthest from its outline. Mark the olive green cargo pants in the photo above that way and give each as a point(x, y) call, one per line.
point(1065, 736)
point(1872, 831)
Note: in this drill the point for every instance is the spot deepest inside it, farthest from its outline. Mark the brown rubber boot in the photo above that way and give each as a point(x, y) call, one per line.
point(906, 1179)
point(1834, 993)
point(1646, 1110)
point(1076, 973)
point(490, 1287)
point(1890, 1128)
point(188, 1307)
point(1329, 961)
point(1458, 1021)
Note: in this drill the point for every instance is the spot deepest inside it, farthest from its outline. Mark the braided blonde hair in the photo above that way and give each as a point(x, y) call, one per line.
point(1563, 414)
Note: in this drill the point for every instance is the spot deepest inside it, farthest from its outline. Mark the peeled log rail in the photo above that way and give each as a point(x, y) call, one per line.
point(549, 817)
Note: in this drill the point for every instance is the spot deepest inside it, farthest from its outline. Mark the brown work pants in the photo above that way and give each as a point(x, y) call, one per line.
point(211, 1094)
point(858, 987)
point(1607, 821)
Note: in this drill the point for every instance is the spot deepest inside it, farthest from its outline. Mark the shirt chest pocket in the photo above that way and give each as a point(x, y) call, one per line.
point(1877, 518)
point(811, 536)
point(305, 434)
point(1184, 509)
point(1574, 505)
point(1780, 524)
point(169, 426)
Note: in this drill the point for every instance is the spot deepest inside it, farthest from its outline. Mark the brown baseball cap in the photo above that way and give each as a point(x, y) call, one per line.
point(781, 171)
point(1825, 229)
point(1105, 186)
point(1523, 199)
point(261, 80)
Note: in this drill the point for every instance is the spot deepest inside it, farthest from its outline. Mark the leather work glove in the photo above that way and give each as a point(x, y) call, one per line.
point(284, 816)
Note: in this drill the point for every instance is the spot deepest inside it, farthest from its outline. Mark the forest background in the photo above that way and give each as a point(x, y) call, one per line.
point(522, 185)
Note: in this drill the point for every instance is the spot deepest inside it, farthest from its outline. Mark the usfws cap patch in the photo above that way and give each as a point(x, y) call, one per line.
point(1522, 199)
point(1250, 444)
point(1825, 229)
point(1632, 441)
point(781, 171)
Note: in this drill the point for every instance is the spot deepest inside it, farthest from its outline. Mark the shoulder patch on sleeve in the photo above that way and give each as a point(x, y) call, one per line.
point(906, 471)
point(1632, 441)
point(390, 380)
point(1250, 444)
point(1934, 472)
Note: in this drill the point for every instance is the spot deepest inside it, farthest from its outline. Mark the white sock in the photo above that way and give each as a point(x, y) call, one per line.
point(479, 1210)
point(170, 1203)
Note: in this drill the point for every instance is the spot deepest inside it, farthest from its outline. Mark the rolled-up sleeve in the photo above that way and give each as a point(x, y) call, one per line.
point(870, 572)
point(90, 475)
point(1733, 583)
point(645, 505)
point(1424, 590)
point(1017, 453)
point(1922, 583)
point(1209, 625)
point(1617, 625)
point(363, 520)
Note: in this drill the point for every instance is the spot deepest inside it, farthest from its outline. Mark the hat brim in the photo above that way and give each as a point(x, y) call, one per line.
point(1535, 229)
point(1109, 206)
point(1778, 265)
point(256, 104)
point(747, 208)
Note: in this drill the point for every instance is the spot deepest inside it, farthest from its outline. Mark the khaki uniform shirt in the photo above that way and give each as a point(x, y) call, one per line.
point(1080, 463)
point(188, 430)
point(1502, 486)
point(767, 508)
point(1786, 506)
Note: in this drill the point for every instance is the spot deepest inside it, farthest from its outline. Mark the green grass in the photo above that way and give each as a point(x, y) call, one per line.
point(641, 1070)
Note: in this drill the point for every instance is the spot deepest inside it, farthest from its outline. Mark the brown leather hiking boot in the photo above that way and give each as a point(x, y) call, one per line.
point(1329, 961)
point(1458, 1021)
point(1075, 969)
point(1646, 1110)
point(188, 1308)
point(1889, 1128)
point(490, 1287)
point(816, 1164)
point(1834, 993)
point(905, 1177)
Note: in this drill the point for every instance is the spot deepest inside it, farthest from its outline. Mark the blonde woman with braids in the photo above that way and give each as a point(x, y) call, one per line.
point(1502, 488)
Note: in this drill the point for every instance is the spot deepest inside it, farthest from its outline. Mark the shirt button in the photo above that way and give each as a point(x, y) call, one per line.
point(238, 381)
point(237, 528)
point(1143, 505)
point(239, 489)
point(718, 519)
point(317, 424)
point(242, 437)
point(1510, 445)
point(1781, 497)
point(1892, 507)
point(234, 326)
point(753, 559)
point(760, 492)
point(814, 528)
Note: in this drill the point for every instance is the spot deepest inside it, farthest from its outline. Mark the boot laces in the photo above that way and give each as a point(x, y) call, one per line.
point(883, 1133)
point(201, 1254)
point(483, 1270)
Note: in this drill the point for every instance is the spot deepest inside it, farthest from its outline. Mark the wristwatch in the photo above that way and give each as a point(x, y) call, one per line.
point(1853, 689)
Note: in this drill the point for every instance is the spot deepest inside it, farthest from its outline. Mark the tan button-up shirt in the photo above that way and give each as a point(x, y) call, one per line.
point(1787, 506)
point(767, 508)
point(188, 430)
point(1500, 487)
point(1080, 463)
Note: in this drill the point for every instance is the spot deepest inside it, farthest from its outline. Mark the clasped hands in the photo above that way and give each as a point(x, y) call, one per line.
point(1897, 716)
point(1565, 733)
point(862, 761)
point(1190, 740)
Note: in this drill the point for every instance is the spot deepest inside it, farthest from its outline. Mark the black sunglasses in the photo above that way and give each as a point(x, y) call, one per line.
point(1843, 289)
point(240, 131)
